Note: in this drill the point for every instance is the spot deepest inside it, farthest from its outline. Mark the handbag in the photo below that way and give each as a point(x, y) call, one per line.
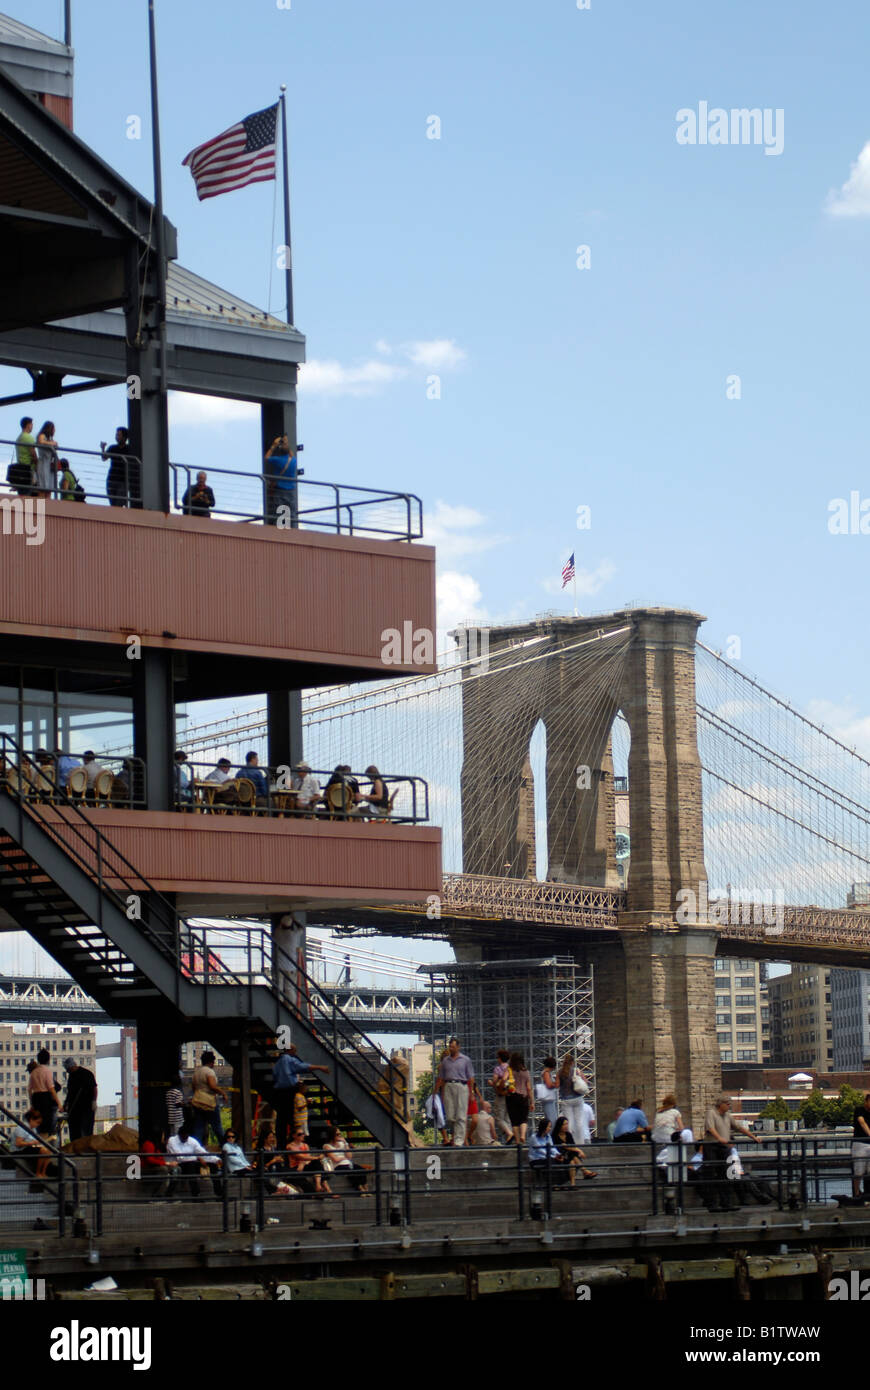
point(19, 475)
point(203, 1100)
point(543, 1092)
point(579, 1084)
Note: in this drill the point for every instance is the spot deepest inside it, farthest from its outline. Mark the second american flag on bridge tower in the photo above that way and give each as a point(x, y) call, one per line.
point(243, 154)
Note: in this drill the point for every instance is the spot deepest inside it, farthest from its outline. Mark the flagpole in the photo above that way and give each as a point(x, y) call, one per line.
point(288, 269)
point(159, 229)
point(574, 583)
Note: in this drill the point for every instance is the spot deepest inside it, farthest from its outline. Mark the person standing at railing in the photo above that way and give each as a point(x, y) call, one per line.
point(719, 1129)
point(455, 1084)
point(285, 1082)
point(860, 1145)
point(81, 1098)
point(204, 1104)
point(19, 475)
point(46, 461)
point(43, 1096)
point(122, 479)
point(198, 499)
point(281, 474)
point(499, 1105)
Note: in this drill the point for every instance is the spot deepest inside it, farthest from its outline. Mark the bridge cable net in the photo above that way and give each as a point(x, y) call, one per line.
point(786, 804)
point(424, 725)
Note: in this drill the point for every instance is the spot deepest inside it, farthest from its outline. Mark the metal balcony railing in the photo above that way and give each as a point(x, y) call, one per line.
point(275, 791)
point(237, 495)
point(107, 781)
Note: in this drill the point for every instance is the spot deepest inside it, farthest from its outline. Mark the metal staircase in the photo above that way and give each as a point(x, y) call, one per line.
point(64, 882)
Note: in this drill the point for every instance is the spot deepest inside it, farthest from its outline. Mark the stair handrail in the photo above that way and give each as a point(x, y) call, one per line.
point(336, 1015)
point(367, 1071)
point(100, 840)
point(46, 1144)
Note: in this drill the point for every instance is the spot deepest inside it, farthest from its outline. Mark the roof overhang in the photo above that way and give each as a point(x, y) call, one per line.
point(67, 223)
point(217, 344)
point(62, 208)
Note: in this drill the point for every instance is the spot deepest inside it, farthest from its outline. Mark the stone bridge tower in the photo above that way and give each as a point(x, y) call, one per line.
point(654, 1005)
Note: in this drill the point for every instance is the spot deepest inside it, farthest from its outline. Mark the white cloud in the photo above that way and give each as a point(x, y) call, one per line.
point(588, 581)
point(188, 409)
point(458, 598)
point(454, 531)
point(843, 722)
point(331, 378)
point(438, 354)
point(853, 199)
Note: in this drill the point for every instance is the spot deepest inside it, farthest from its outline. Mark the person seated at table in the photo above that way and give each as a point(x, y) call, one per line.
point(254, 773)
point(306, 787)
point(183, 778)
point(26, 1145)
point(92, 769)
point(341, 777)
point(377, 803)
point(221, 774)
point(123, 783)
point(65, 764)
point(44, 774)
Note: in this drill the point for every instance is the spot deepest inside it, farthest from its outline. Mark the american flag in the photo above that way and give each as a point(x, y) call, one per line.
point(241, 155)
point(568, 572)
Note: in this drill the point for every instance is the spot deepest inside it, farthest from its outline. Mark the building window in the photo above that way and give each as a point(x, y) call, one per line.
point(746, 1018)
point(746, 1037)
point(724, 1018)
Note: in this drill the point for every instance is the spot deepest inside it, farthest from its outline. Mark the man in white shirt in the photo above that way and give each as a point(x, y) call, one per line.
point(221, 775)
point(92, 767)
point(190, 1154)
point(306, 787)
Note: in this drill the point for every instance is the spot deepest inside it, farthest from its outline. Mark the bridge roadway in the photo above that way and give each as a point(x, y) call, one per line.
point(391, 1009)
point(474, 907)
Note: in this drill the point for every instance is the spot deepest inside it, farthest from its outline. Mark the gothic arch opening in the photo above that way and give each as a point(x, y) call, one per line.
point(536, 804)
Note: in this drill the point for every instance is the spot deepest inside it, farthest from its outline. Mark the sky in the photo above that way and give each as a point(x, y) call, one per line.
point(605, 387)
point(670, 334)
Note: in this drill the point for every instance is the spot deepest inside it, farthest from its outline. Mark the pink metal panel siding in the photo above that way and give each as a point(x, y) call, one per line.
point(102, 574)
point(320, 860)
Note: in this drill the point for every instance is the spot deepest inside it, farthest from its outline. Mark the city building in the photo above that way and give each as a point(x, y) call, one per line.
point(742, 1022)
point(19, 1045)
point(850, 1001)
point(801, 1031)
point(850, 1018)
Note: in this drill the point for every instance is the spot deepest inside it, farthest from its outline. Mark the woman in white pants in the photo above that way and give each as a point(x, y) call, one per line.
point(569, 1078)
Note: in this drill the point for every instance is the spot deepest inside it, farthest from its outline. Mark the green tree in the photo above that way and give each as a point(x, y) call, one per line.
point(421, 1095)
point(813, 1110)
point(840, 1111)
point(775, 1109)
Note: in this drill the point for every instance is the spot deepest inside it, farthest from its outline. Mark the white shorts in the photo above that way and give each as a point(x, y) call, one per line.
point(860, 1159)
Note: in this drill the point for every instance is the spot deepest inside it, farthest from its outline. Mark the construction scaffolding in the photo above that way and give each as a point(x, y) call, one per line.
point(537, 1007)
